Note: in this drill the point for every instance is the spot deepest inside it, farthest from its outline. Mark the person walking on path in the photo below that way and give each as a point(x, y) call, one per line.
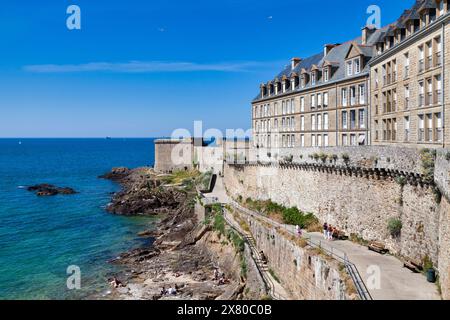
point(325, 231)
point(298, 230)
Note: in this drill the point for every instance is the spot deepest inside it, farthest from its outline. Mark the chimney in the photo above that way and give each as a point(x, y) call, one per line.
point(295, 62)
point(367, 31)
point(327, 48)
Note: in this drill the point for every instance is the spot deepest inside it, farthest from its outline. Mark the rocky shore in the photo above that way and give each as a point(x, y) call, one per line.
point(180, 256)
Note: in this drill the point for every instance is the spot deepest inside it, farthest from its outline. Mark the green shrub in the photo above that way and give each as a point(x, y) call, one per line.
point(447, 156)
point(316, 156)
point(293, 216)
point(401, 180)
point(219, 223)
point(395, 227)
point(345, 158)
point(323, 157)
point(428, 158)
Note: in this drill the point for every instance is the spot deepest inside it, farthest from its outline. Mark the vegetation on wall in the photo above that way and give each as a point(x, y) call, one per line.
point(292, 216)
point(428, 158)
point(395, 227)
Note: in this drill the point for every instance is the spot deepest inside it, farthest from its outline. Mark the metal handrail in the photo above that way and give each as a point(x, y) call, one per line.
point(350, 267)
point(270, 286)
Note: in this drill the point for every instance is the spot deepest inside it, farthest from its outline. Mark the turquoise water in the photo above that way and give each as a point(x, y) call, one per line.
point(41, 237)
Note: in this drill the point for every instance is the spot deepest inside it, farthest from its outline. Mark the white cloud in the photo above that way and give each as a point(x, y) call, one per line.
point(146, 67)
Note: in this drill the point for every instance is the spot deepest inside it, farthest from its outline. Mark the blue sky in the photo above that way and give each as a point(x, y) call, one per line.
point(142, 68)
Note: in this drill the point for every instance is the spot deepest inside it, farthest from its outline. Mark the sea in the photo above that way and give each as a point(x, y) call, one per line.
point(45, 241)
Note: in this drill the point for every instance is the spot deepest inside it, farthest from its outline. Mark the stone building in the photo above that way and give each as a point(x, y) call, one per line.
point(409, 103)
point(318, 101)
point(385, 87)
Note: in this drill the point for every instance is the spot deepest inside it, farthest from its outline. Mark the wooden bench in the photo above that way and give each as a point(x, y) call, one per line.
point(378, 247)
point(413, 265)
point(340, 235)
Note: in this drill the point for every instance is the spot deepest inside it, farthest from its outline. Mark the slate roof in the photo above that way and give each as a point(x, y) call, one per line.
point(336, 56)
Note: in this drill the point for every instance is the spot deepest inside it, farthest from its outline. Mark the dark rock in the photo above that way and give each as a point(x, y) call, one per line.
point(116, 174)
point(45, 190)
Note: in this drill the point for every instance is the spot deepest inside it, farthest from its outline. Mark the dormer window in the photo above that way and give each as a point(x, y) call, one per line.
point(349, 68)
point(313, 77)
point(441, 8)
point(357, 65)
point(303, 82)
point(326, 74)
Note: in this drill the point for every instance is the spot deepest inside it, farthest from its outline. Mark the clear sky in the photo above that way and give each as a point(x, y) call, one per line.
point(142, 68)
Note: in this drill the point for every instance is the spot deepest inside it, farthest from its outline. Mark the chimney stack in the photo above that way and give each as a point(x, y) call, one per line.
point(367, 31)
point(295, 62)
point(328, 47)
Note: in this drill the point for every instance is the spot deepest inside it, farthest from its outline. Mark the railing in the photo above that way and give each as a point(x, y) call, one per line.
point(337, 254)
point(268, 283)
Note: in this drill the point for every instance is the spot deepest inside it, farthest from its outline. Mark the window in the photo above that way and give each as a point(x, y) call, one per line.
point(344, 140)
point(302, 140)
point(429, 55)
point(438, 93)
point(349, 68)
point(352, 96)
point(362, 94)
point(326, 75)
point(325, 121)
point(313, 101)
point(430, 127)
point(362, 118)
point(407, 62)
point(313, 122)
point(313, 78)
point(439, 135)
point(325, 99)
point(357, 63)
point(429, 92)
point(441, 8)
point(319, 140)
point(325, 140)
point(313, 140)
point(407, 126)
point(344, 119)
point(421, 133)
point(293, 141)
point(421, 59)
point(288, 106)
point(292, 123)
point(406, 97)
point(438, 56)
point(319, 122)
point(344, 97)
point(292, 106)
point(302, 123)
point(352, 119)
point(283, 109)
point(353, 139)
point(421, 94)
point(376, 78)
point(302, 104)
point(319, 100)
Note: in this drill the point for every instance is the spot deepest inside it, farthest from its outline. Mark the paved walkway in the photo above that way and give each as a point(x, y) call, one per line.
point(396, 282)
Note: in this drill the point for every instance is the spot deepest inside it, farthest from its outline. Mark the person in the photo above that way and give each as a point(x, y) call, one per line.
point(216, 274)
point(172, 291)
point(116, 283)
point(263, 257)
point(163, 291)
point(325, 231)
point(330, 232)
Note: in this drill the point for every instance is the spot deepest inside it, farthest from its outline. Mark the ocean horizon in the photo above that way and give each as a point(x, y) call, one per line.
point(42, 236)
